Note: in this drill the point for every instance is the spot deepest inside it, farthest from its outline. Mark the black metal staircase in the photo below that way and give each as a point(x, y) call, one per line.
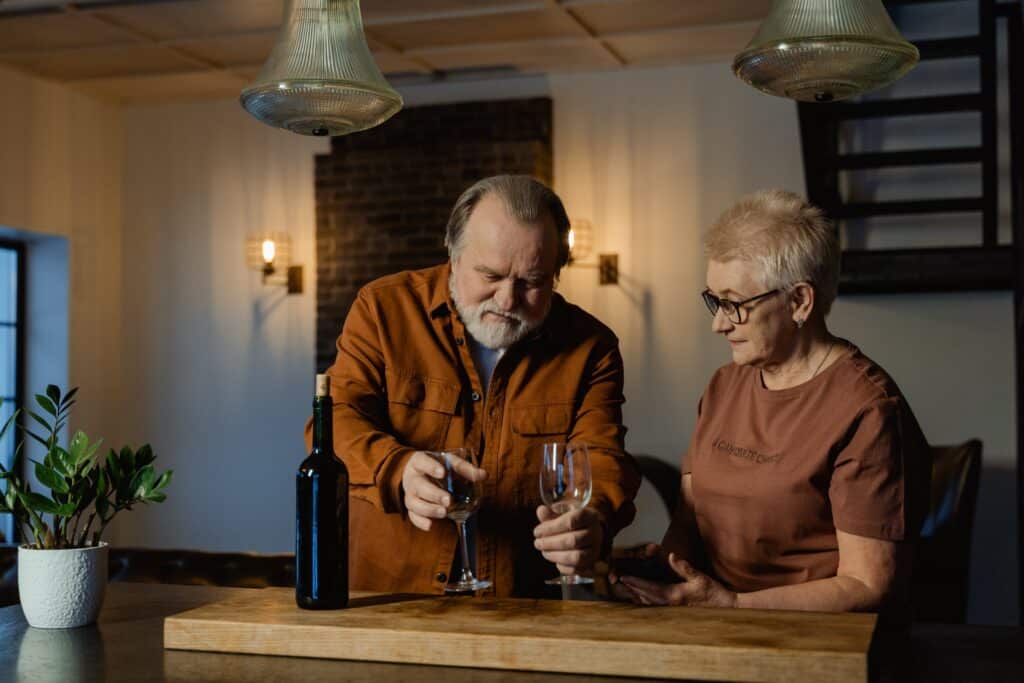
point(985, 265)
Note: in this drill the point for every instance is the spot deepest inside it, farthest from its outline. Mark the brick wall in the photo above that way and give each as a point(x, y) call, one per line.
point(383, 196)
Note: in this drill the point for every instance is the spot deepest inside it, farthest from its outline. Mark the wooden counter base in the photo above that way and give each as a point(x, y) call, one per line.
point(538, 635)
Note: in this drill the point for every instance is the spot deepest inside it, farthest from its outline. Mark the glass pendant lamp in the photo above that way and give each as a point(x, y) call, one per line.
point(824, 50)
point(320, 78)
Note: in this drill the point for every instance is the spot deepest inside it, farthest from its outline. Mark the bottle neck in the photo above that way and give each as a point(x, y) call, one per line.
point(323, 426)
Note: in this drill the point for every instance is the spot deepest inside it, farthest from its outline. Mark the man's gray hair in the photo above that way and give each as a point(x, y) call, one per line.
point(526, 199)
point(787, 238)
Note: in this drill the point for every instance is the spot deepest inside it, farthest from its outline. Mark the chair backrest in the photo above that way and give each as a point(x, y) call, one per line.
point(942, 554)
point(664, 477)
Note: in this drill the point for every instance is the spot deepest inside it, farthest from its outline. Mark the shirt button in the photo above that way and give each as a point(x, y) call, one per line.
point(441, 577)
point(459, 341)
point(475, 396)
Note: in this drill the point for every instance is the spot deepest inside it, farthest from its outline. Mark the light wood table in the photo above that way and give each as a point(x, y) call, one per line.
point(127, 645)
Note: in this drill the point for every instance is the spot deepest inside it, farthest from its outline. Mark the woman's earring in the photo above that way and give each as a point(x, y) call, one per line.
point(799, 323)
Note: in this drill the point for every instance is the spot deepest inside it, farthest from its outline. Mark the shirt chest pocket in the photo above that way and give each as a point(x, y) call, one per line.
point(532, 426)
point(421, 408)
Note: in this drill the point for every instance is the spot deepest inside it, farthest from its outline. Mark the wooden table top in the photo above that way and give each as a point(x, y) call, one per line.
point(127, 644)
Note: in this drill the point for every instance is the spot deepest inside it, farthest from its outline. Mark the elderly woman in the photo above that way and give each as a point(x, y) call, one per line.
point(806, 478)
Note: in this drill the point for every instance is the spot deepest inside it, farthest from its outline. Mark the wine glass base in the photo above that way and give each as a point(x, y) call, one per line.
point(570, 580)
point(466, 586)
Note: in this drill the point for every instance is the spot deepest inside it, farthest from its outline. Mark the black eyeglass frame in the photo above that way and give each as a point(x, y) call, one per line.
point(714, 303)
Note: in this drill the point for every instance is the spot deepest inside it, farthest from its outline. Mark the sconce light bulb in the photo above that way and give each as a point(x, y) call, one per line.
point(268, 251)
point(572, 238)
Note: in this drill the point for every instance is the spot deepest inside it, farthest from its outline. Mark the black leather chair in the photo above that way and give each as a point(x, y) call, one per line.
point(663, 476)
point(943, 552)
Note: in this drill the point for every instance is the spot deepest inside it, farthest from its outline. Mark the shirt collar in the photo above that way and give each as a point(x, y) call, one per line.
point(440, 299)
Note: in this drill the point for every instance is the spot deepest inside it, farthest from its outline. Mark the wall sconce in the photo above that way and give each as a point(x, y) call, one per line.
point(270, 254)
point(581, 245)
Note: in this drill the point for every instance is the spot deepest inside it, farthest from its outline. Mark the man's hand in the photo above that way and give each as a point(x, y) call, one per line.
point(424, 499)
point(696, 589)
point(571, 541)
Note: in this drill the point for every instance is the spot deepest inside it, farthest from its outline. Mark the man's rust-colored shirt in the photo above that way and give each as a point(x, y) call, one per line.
point(404, 380)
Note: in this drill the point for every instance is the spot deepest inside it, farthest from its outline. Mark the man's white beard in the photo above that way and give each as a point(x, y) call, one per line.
point(501, 333)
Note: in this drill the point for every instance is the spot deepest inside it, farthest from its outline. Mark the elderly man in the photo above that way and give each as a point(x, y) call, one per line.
point(478, 352)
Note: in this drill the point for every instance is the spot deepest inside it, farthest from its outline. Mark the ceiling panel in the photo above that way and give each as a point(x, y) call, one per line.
point(638, 15)
point(103, 42)
point(679, 45)
point(182, 86)
point(168, 20)
point(56, 31)
point(531, 25)
point(539, 56)
point(99, 62)
point(394, 63)
point(244, 49)
point(386, 10)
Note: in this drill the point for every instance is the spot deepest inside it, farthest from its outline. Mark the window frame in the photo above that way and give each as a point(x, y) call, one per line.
point(19, 339)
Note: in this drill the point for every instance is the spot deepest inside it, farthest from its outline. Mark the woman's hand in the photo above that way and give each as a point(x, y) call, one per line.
point(696, 588)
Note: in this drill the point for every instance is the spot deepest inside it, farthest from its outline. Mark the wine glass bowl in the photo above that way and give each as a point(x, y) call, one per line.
point(465, 500)
point(565, 485)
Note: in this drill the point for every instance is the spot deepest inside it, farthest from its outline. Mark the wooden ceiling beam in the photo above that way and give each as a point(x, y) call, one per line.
point(591, 33)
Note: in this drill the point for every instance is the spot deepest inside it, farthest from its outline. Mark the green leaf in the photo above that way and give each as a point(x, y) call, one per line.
point(9, 422)
point(142, 483)
point(144, 456)
point(127, 461)
point(41, 420)
point(61, 461)
point(38, 503)
point(38, 438)
point(51, 478)
point(67, 398)
point(102, 506)
point(156, 497)
point(92, 449)
point(46, 404)
point(101, 484)
point(164, 480)
point(53, 391)
point(77, 447)
point(113, 468)
point(66, 510)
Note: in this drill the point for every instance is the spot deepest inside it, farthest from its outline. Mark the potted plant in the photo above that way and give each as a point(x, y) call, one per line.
point(62, 563)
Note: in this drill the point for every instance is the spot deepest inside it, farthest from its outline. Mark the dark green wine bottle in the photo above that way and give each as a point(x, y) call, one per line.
point(321, 515)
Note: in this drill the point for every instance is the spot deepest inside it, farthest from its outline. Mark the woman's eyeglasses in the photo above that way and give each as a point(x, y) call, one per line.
point(733, 309)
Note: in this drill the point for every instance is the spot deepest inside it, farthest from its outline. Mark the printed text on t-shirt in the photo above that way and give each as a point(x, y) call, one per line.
point(750, 454)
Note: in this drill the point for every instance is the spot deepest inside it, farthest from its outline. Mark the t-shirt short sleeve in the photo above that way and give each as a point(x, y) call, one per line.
point(685, 466)
point(867, 491)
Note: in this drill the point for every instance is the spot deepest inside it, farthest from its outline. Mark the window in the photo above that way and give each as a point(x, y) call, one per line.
point(12, 307)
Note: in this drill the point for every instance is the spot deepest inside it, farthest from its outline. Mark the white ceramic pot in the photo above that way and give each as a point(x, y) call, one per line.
point(62, 588)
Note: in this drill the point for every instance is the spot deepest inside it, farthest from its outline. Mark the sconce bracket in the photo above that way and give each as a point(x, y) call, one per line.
point(295, 279)
point(608, 269)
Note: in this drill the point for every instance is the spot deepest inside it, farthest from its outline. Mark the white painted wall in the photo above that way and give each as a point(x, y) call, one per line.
point(219, 367)
point(60, 175)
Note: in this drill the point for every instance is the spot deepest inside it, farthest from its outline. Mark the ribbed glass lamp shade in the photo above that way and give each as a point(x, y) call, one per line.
point(824, 50)
point(321, 78)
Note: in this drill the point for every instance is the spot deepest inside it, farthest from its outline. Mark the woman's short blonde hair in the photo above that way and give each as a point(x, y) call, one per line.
point(785, 237)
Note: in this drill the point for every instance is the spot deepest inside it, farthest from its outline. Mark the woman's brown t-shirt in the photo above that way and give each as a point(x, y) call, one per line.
point(775, 473)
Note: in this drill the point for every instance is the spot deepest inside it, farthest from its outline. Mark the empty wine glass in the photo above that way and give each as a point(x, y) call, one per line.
point(565, 485)
point(465, 494)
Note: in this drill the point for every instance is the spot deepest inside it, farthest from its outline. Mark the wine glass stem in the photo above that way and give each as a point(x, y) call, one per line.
point(467, 570)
